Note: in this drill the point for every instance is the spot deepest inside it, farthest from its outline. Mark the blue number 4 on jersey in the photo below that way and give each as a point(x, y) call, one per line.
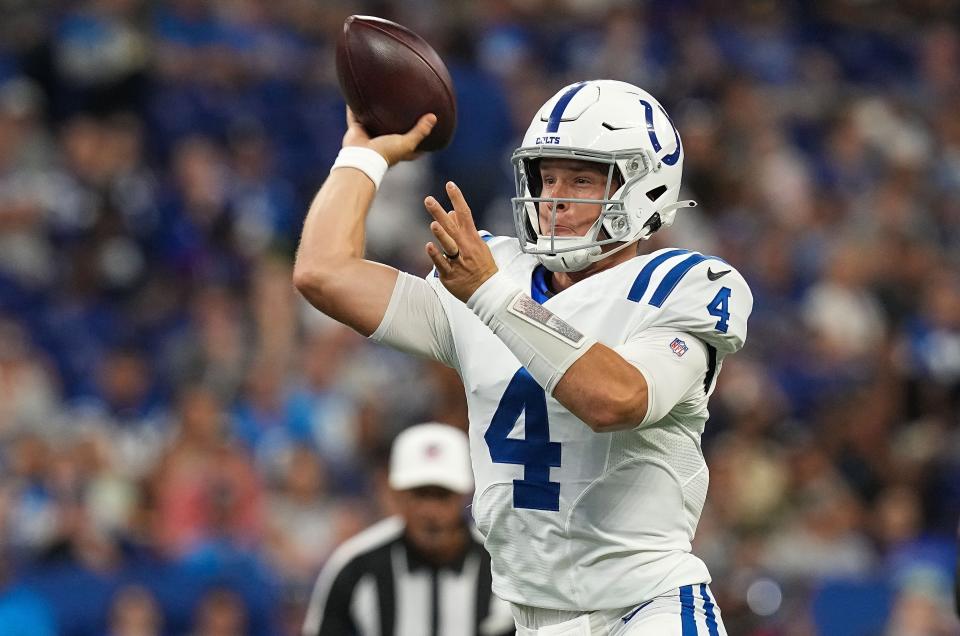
point(535, 452)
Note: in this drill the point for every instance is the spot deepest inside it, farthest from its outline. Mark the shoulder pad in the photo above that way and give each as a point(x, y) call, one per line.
point(700, 294)
point(503, 247)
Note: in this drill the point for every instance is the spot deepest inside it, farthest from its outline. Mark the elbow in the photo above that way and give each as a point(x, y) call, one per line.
point(304, 279)
point(623, 411)
point(313, 282)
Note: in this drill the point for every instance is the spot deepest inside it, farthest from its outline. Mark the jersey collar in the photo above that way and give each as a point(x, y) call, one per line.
point(539, 289)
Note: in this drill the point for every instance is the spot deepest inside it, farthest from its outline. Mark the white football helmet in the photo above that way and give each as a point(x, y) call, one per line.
point(607, 122)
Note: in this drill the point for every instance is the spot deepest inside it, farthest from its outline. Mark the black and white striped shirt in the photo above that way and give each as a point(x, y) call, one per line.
point(376, 585)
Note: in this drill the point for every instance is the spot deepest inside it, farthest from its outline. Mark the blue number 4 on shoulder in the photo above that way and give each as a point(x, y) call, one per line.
point(678, 346)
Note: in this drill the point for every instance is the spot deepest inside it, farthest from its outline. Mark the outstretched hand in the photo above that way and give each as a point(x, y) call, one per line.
point(460, 255)
point(393, 148)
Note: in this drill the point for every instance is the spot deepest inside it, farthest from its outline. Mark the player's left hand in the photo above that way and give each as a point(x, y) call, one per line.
point(460, 254)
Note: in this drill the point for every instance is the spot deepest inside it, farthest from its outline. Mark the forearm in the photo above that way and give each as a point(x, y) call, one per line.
point(330, 270)
point(335, 225)
point(592, 380)
point(604, 390)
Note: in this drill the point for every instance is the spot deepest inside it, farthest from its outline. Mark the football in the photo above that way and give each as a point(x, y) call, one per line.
point(390, 77)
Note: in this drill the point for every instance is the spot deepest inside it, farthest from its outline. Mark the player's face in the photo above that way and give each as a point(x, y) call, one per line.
point(434, 518)
point(569, 178)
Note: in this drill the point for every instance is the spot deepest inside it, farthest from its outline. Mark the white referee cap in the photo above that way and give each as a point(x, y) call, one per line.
point(431, 455)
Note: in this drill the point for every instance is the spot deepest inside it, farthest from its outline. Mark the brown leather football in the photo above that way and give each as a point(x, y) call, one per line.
point(391, 77)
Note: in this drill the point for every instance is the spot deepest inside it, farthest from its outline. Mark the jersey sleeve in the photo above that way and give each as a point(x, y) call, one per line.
point(673, 363)
point(416, 321)
point(704, 297)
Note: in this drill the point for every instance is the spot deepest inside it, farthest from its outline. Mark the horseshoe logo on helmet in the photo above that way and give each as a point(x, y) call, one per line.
point(674, 156)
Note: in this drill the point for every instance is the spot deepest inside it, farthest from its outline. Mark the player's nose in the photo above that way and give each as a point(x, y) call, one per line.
point(560, 191)
point(552, 203)
point(553, 209)
point(561, 206)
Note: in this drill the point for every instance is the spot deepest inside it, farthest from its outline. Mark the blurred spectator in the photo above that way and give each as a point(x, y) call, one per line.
point(26, 195)
point(100, 55)
point(199, 238)
point(845, 320)
point(23, 612)
point(820, 540)
point(28, 391)
point(922, 605)
point(220, 613)
point(261, 421)
point(135, 613)
point(262, 201)
point(31, 510)
point(304, 520)
point(206, 488)
point(323, 414)
point(213, 348)
point(125, 389)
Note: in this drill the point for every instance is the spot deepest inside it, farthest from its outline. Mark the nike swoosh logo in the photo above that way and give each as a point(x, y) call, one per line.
point(715, 275)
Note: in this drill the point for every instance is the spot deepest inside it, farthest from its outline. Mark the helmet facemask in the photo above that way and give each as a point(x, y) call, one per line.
point(614, 223)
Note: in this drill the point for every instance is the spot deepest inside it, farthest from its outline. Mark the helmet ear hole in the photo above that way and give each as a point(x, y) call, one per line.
point(656, 193)
point(654, 223)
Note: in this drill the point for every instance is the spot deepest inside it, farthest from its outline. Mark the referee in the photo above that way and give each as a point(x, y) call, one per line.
point(421, 573)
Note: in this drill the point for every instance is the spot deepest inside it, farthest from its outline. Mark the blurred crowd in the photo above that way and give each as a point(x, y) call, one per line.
point(183, 441)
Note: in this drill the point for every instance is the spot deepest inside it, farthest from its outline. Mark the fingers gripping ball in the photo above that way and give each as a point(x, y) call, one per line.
point(390, 77)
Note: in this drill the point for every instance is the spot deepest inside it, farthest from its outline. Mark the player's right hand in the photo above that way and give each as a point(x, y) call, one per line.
point(393, 148)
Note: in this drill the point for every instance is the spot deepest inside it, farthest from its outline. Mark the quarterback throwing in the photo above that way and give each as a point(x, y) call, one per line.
point(588, 363)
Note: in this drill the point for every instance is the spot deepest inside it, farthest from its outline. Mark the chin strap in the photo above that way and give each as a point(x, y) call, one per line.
point(664, 218)
point(569, 261)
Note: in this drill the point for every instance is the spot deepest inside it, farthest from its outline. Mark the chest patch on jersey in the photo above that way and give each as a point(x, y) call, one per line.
point(531, 311)
point(679, 347)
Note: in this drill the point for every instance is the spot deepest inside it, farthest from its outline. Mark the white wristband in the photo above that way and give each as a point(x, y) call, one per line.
point(366, 160)
point(492, 296)
point(543, 343)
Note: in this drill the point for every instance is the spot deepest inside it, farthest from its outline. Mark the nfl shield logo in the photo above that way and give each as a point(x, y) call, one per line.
point(678, 346)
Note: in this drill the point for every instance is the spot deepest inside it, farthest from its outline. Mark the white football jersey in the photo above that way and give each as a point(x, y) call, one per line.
point(578, 520)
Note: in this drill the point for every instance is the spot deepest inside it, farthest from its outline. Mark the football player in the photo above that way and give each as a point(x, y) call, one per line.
point(587, 362)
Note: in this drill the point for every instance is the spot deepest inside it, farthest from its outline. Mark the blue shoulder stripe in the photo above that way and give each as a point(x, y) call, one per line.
point(539, 290)
point(673, 277)
point(643, 278)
